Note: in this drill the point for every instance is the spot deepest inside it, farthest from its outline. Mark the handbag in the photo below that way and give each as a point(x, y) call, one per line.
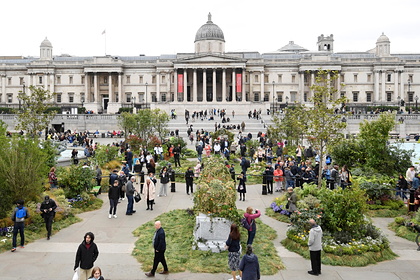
point(137, 197)
point(123, 188)
point(76, 274)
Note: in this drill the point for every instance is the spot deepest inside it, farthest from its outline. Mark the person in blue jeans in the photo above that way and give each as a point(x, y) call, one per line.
point(130, 195)
point(250, 216)
point(290, 178)
point(18, 217)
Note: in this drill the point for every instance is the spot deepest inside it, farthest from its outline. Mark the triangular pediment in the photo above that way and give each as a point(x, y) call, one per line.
point(208, 58)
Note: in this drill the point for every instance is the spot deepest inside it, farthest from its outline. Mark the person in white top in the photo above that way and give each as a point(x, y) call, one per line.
point(409, 175)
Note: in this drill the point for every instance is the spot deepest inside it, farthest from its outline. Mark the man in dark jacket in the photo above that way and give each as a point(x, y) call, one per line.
point(177, 155)
point(130, 195)
point(189, 179)
point(86, 255)
point(47, 208)
point(159, 245)
point(268, 173)
point(112, 177)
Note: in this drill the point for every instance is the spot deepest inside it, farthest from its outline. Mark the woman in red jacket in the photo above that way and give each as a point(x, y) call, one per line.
point(251, 220)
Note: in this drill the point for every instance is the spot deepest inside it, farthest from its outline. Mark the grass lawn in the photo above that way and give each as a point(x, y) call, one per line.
point(180, 256)
point(344, 260)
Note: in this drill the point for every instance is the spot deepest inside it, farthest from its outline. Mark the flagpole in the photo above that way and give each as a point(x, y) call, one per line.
point(105, 42)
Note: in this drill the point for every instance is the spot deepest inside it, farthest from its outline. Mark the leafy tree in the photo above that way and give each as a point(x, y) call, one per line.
point(76, 180)
point(292, 126)
point(324, 126)
point(160, 121)
point(23, 170)
point(34, 115)
point(104, 154)
point(126, 121)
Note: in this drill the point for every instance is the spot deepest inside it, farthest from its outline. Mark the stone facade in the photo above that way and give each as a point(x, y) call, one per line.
point(212, 78)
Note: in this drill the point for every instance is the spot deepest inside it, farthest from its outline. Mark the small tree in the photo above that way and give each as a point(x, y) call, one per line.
point(324, 126)
point(34, 115)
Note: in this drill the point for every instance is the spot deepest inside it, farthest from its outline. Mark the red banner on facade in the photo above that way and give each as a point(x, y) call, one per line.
point(239, 82)
point(180, 83)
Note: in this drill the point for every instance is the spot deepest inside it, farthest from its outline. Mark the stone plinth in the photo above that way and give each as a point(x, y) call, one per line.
point(211, 234)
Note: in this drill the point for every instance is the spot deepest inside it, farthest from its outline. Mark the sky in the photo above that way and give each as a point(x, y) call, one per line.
point(152, 28)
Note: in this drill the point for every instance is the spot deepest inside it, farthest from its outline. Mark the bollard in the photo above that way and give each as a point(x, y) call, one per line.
point(264, 184)
point(411, 206)
point(141, 181)
point(172, 176)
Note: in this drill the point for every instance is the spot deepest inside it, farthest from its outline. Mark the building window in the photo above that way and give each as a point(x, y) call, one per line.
point(305, 97)
point(305, 79)
point(154, 99)
point(293, 78)
point(265, 78)
point(342, 94)
point(355, 78)
point(40, 80)
point(388, 78)
point(127, 77)
point(128, 97)
point(153, 79)
point(256, 96)
point(411, 97)
point(71, 97)
point(58, 80)
point(279, 78)
point(141, 96)
point(82, 97)
point(355, 96)
point(21, 81)
point(9, 81)
point(293, 95)
point(105, 80)
point(266, 96)
point(246, 78)
point(163, 96)
point(280, 96)
point(410, 78)
point(341, 78)
point(9, 98)
point(83, 80)
point(59, 98)
point(70, 80)
point(369, 78)
point(389, 96)
point(368, 96)
point(140, 79)
point(256, 78)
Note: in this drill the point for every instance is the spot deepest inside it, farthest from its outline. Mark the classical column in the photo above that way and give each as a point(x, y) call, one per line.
point(376, 86)
point(234, 85)
point(396, 94)
point(110, 91)
point(184, 94)
point(86, 87)
point(301, 86)
point(52, 83)
point(176, 84)
point(338, 81)
point(120, 88)
point(262, 93)
point(243, 86)
point(382, 95)
point(45, 77)
point(251, 87)
point(204, 84)
point(214, 93)
point(194, 85)
point(402, 87)
point(168, 87)
point(158, 87)
point(224, 85)
point(312, 83)
point(3, 86)
point(95, 88)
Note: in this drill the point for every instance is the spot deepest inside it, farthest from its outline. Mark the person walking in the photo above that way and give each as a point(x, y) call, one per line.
point(20, 213)
point(164, 181)
point(52, 178)
point(233, 245)
point(47, 209)
point(149, 192)
point(113, 195)
point(189, 180)
point(86, 255)
point(177, 155)
point(249, 266)
point(98, 175)
point(242, 186)
point(130, 196)
point(315, 246)
point(250, 217)
point(159, 245)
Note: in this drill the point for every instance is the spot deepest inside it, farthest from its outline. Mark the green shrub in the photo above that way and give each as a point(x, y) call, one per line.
point(76, 180)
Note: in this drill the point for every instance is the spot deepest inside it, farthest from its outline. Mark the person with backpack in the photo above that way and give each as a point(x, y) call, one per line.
point(18, 217)
point(122, 181)
point(250, 219)
point(245, 164)
point(47, 209)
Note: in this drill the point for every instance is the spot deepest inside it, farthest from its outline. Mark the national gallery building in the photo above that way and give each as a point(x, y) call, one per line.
point(210, 77)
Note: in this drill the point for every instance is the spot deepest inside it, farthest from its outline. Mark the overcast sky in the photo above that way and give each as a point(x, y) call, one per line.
point(169, 27)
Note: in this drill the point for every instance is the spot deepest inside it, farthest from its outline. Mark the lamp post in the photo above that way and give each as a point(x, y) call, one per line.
point(416, 98)
point(408, 94)
point(133, 99)
point(287, 101)
point(273, 99)
point(145, 100)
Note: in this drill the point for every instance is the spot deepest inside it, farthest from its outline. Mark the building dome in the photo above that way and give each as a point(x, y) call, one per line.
point(209, 31)
point(383, 39)
point(46, 43)
point(292, 47)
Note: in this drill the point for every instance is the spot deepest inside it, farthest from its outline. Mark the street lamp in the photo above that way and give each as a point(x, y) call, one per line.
point(145, 101)
point(408, 94)
point(287, 101)
point(416, 98)
point(133, 99)
point(273, 99)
